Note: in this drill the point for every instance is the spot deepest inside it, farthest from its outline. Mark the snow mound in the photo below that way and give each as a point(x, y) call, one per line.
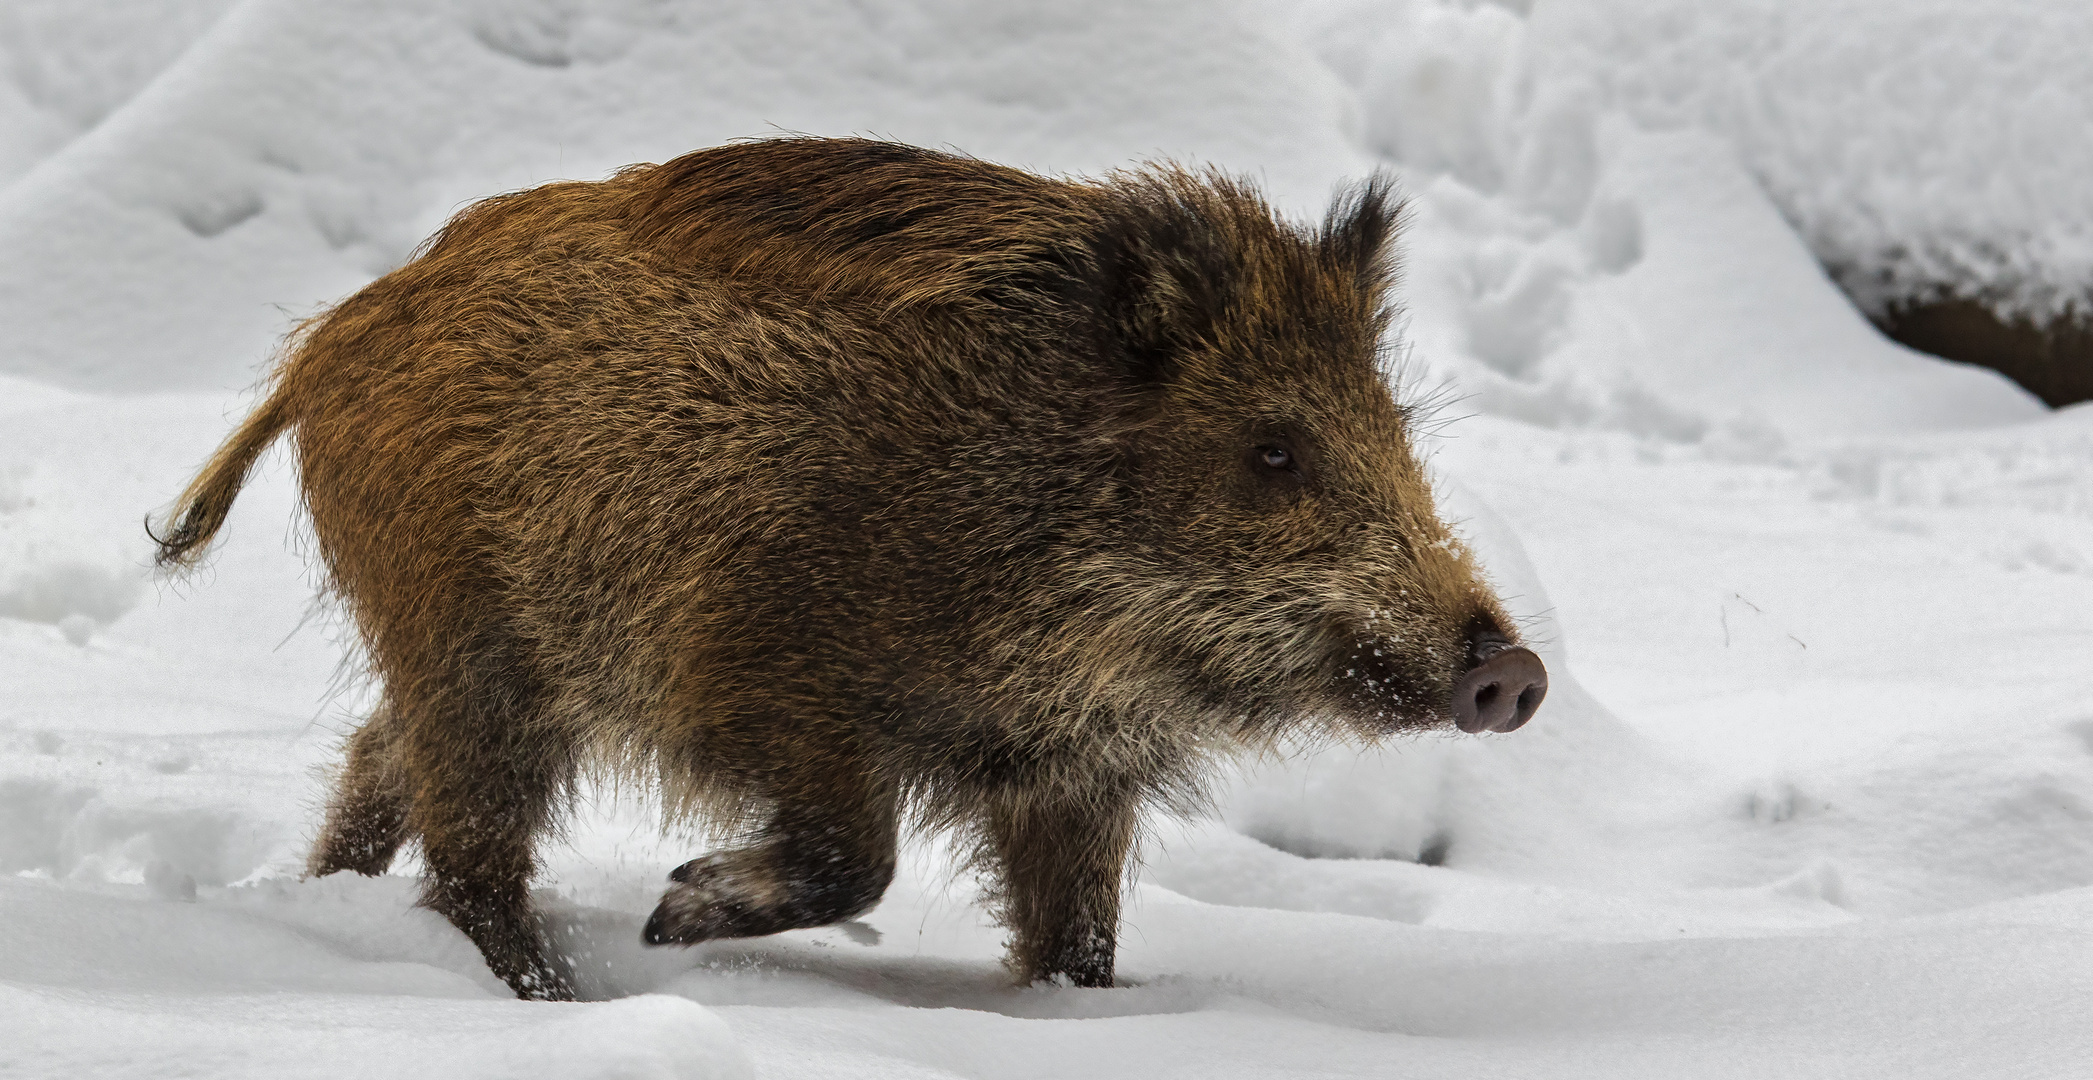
point(65, 65)
point(1578, 260)
point(78, 832)
point(1919, 149)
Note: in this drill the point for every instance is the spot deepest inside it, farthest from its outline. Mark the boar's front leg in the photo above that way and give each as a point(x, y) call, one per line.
point(825, 854)
point(1060, 863)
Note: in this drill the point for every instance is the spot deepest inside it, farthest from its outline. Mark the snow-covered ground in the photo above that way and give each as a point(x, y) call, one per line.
point(1812, 794)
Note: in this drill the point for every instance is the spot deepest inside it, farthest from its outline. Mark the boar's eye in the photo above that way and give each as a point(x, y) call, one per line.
point(1275, 461)
point(1279, 458)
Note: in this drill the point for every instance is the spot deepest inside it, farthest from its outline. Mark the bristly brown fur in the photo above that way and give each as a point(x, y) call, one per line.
point(836, 481)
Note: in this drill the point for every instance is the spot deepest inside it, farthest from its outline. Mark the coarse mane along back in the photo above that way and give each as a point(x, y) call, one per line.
point(915, 226)
point(860, 217)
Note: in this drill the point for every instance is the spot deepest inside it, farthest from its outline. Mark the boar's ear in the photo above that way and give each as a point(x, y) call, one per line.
point(1358, 234)
point(1167, 275)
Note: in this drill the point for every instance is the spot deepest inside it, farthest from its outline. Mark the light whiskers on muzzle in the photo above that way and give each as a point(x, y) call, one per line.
point(1502, 690)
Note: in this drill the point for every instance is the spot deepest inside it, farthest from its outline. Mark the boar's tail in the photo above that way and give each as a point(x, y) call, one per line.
point(209, 498)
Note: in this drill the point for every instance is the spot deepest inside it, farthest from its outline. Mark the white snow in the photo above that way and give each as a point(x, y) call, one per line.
point(1921, 147)
point(1812, 794)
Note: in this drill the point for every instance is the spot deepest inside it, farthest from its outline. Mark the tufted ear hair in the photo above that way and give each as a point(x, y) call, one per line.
point(1172, 256)
point(1358, 234)
point(1183, 257)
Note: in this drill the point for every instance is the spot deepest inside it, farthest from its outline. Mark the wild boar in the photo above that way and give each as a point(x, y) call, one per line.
point(836, 485)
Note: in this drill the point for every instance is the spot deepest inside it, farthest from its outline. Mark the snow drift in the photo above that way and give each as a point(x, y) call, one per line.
point(1918, 149)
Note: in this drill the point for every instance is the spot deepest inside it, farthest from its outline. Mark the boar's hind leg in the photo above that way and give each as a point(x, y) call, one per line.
point(1060, 865)
point(367, 818)
point(819, 859)
point(484, 789)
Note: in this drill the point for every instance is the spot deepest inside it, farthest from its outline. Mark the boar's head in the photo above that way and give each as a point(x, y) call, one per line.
point(1281, 556)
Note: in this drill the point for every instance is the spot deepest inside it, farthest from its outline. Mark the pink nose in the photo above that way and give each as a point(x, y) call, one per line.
point(1500, 693)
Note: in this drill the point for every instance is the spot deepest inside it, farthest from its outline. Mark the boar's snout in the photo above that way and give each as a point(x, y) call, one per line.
point(1502, 689)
